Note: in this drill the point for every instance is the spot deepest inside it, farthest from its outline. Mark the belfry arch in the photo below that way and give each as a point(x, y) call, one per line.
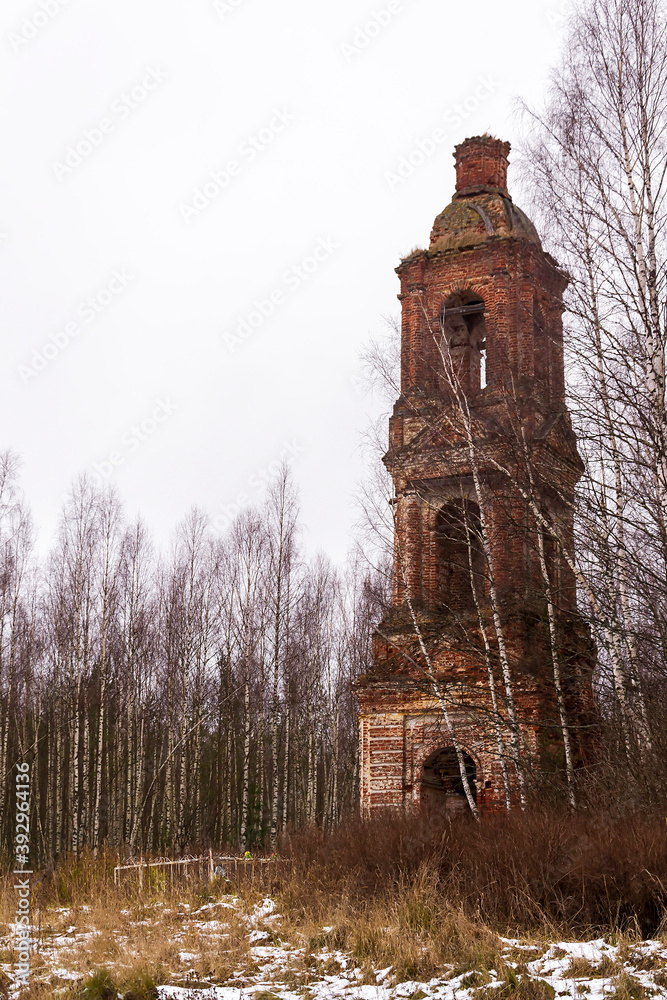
point(463, 340)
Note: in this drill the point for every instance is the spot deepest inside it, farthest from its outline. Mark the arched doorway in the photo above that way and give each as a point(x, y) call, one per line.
point(441, 784)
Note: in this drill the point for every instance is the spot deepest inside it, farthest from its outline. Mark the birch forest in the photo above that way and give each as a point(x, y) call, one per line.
point(595, 162)
point(166, 701)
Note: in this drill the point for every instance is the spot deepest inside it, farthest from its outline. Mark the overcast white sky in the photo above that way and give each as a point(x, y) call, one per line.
point(131, 277)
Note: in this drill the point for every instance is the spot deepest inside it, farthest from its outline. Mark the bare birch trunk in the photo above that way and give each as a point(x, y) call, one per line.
point(553, 642)
point(286, 770)
point(139, 785)
point(246, 764)
point(312, 776)
point(100, 757)
point(497, 722)
point(75, 776)
point(58, 793)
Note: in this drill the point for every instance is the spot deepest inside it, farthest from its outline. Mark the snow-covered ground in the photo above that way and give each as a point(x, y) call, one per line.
point(555, 967)
point(272, 968)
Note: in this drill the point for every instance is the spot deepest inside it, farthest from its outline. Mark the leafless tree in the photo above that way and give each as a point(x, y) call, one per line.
point(595, 161)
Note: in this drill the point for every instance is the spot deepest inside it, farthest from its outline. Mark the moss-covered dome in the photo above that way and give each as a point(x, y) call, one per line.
point(486, 215)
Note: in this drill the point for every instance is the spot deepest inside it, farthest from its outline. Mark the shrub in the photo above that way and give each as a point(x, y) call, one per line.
point(97, 986)
point(549, 869)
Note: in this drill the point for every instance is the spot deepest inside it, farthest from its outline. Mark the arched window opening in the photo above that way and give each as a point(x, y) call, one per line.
point(441, 783)
point(459, 555)
point(464, 340)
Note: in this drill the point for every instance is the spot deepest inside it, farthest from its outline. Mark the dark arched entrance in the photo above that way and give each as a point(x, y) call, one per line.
point(441, 784)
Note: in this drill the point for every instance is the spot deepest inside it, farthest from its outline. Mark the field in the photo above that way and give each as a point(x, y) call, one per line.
point(384, 910)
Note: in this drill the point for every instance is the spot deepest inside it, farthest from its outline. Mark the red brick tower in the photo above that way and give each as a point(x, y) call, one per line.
point(480, 439)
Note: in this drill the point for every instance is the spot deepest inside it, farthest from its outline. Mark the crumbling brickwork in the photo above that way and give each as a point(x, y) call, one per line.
point(466, 449)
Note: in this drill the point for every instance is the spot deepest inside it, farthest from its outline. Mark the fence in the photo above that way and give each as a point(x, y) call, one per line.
point(261, 873)
point(157, 873)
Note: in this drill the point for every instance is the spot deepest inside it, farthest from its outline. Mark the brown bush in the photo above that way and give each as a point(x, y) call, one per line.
point(571, 873)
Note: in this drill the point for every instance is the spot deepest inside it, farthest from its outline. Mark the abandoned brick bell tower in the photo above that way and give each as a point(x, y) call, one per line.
point(484, 463)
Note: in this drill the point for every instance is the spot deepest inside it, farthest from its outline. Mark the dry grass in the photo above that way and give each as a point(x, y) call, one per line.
point(628, 987)
point(86, 925)
point(517, 988)
point(409, 926)
point(583, 968)
point(425, 900)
